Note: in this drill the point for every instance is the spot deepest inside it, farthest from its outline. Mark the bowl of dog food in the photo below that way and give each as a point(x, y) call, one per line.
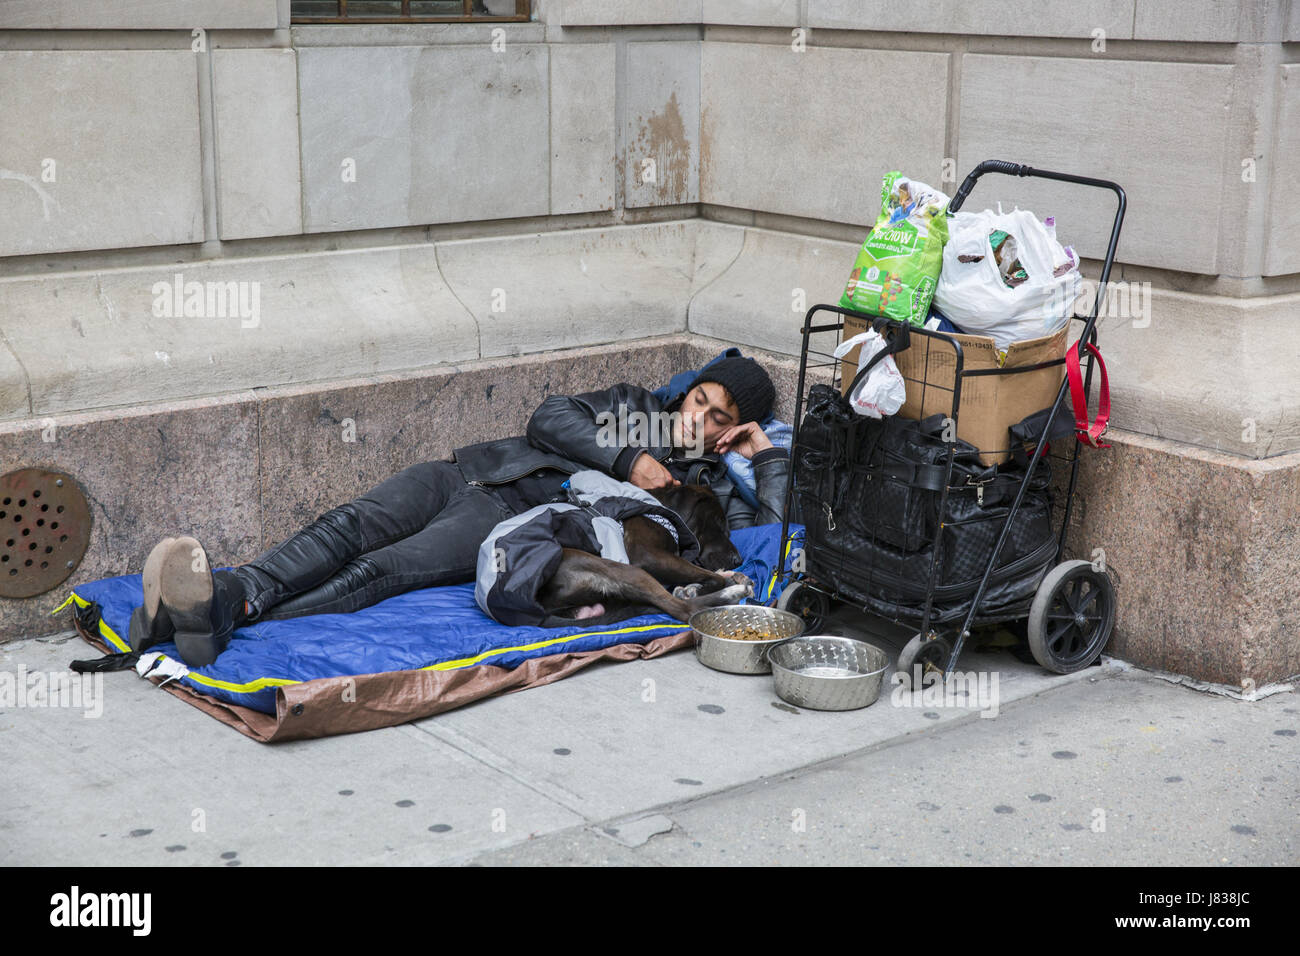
point(736, 637)
point(824, 672)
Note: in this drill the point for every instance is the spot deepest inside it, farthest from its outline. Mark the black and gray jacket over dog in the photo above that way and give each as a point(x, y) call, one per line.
point(522, 553)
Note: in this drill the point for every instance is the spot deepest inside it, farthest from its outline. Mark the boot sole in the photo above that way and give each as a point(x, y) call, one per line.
point(187, 593)
point(145, 631)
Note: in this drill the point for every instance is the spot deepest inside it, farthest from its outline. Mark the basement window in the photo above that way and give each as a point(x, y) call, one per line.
point(408, 11)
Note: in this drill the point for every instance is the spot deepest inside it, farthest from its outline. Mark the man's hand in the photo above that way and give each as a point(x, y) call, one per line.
point(649, 474)
point(747, 439)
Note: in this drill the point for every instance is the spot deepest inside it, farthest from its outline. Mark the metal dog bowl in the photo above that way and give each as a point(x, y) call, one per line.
point(828, 673)
point(717, 649)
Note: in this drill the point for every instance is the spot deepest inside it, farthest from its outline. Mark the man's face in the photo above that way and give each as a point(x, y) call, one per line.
point(707, 411)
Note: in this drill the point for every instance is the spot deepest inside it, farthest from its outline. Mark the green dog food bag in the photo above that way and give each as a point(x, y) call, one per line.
point(898, 265)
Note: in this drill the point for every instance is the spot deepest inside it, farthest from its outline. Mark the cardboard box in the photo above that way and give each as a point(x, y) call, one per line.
point(990, 404)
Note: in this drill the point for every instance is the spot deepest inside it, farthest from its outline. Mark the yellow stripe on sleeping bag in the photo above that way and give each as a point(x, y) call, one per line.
point(104, 630)
point(465, 662)
point(260, 684)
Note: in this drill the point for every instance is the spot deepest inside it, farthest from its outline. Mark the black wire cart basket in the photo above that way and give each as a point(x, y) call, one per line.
point(906, 521)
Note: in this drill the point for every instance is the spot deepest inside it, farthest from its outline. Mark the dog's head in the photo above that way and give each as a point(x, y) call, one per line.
point(703, 514)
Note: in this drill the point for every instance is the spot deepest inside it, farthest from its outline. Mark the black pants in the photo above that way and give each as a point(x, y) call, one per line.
point(420, 528)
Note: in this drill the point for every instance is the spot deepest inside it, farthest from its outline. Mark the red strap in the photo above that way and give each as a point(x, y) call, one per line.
point(1089, 432)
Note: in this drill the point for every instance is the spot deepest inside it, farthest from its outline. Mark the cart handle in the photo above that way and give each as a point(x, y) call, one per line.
point(1019, 169)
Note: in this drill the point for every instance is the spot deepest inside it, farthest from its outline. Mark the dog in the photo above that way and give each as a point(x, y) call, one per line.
point(595, 590)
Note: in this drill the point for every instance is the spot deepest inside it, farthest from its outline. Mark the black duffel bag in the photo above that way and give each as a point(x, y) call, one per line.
point(868, 492)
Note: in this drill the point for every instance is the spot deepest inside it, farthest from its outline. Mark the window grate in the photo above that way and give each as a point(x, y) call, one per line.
point(407, 11)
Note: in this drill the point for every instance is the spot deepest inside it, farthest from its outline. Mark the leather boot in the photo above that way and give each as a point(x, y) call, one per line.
point(204, 607)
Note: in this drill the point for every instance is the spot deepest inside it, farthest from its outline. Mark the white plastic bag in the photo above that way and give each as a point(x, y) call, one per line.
point(883, 391)
point(973, 295)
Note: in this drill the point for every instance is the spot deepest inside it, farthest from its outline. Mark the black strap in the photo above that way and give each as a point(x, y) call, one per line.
point(87, 619)
point(897, 339)
point(1029, 431)
point(109, 662)
point(929, 477)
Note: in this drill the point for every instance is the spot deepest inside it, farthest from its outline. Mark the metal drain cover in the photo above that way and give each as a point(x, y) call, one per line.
point(44, 530)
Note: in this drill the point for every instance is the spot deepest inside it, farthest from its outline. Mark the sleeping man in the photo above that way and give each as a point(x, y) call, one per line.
point(422, 527)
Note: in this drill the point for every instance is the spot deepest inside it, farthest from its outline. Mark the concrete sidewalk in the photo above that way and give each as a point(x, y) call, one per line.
point(667, 762)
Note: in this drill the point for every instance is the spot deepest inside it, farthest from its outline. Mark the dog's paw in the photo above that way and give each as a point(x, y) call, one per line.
point(687, 592)
point(734, 592)
point(737, 578)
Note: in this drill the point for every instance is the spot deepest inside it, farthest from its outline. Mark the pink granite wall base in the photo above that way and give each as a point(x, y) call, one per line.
point(1205, 552)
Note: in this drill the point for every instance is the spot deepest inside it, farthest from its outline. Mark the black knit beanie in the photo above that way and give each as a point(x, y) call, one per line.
point(746, 381)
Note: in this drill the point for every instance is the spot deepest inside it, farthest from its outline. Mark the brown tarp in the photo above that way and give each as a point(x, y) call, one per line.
point(345, 705)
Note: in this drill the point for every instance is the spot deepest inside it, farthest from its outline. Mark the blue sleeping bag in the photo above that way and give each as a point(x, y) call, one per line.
point(434, 628)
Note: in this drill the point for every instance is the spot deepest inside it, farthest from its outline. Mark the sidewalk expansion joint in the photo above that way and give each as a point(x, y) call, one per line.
point(497, 763)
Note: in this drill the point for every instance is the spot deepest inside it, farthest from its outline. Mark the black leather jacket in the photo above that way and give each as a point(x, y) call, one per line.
point(566, 433)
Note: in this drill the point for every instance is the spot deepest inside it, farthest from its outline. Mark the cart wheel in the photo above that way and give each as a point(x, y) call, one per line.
point(1071, 618)
point(931, 654)
point(806, 601)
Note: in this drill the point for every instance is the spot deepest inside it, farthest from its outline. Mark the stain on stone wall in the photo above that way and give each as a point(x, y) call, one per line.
point(706, 149)
point(662, 137)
